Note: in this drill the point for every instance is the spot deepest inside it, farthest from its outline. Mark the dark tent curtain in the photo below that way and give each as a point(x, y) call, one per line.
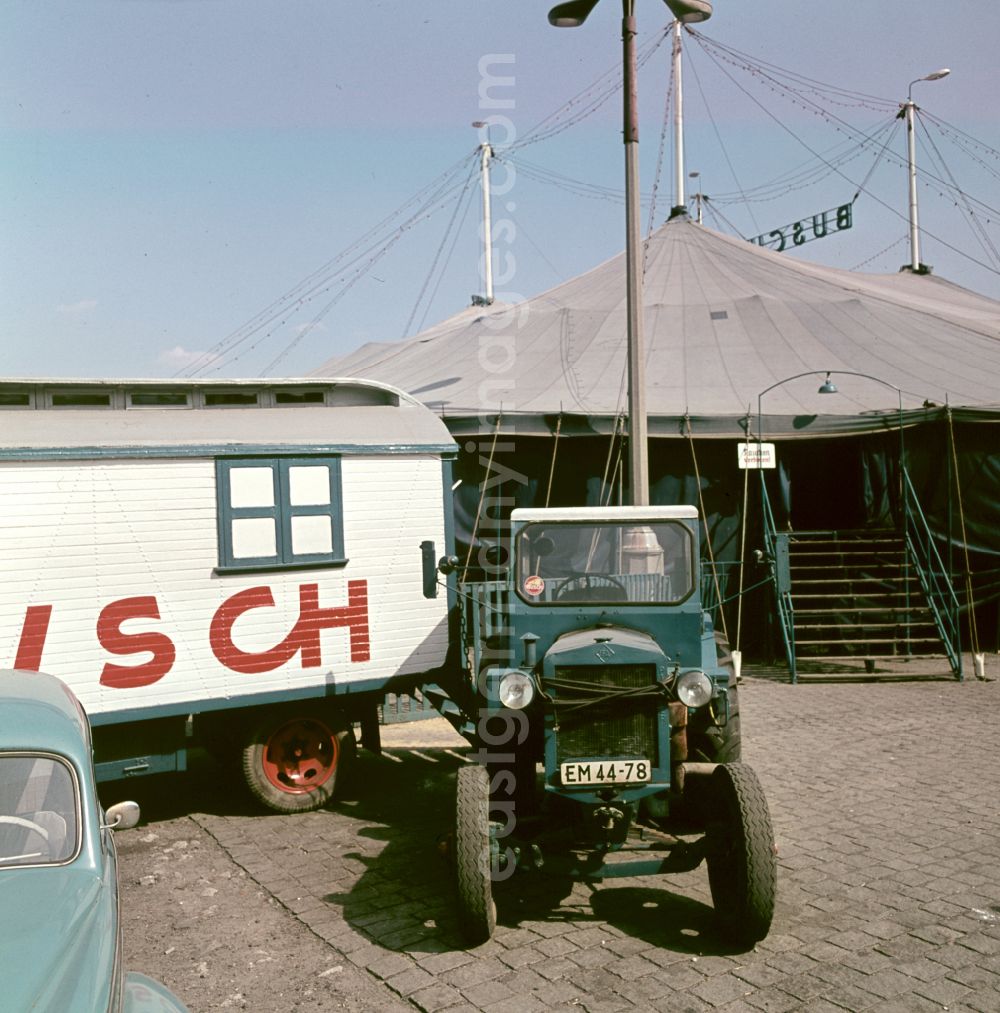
point(836, 483)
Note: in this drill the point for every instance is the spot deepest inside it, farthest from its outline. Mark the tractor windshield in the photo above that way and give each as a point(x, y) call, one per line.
point(586, 562)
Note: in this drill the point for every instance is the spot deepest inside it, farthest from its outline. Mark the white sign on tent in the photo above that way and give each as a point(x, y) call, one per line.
point(757, 455)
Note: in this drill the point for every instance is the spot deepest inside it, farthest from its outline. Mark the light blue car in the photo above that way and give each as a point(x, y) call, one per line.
point(60, 930)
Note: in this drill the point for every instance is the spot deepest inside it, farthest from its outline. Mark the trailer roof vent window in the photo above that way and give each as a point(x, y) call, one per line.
point(159, 399)
point(80, 399)
point(296, 397)
point(230, 398)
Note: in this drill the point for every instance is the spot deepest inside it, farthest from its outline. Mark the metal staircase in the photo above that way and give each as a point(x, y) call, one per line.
point(856, 595)
point(849, 596)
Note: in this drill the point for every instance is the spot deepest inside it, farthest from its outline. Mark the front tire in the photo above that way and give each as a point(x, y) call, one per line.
point(476, 907)
point(742, 869)
point(293, 763)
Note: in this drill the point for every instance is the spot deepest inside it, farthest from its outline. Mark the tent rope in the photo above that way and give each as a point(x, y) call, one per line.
point(482, 496)
point(555, 450)
point(973, 628)
point(619, 421)
point(743, 540)
point(708, 534)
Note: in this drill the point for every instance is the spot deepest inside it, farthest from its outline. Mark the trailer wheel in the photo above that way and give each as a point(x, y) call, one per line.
point(293, 763)
point(476, 908)
point(742, 870)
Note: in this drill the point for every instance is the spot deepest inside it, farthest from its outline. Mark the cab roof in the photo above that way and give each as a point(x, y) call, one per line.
point(610, 513)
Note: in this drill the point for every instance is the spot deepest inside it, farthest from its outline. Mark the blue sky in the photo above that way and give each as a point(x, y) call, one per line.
point(169, 168)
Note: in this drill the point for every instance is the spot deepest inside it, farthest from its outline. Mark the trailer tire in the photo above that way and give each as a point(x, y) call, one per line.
point(476, 908)
point(742, 869)
point(293, 763)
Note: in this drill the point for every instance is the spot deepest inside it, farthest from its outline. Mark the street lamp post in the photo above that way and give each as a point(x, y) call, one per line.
point(908, 111)
point(572, 15)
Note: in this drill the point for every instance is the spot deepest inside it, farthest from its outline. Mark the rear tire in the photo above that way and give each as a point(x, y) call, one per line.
point(293, 763)
point(742, 869)
point(476, 908)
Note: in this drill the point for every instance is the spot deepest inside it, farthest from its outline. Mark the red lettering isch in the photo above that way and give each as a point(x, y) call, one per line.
point(305, 634)
point(220, 634)
point(112, 639)
point(33, 634)
point(312, 619)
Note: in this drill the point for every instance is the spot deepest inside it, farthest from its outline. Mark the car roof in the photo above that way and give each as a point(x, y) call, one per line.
point(39, 712)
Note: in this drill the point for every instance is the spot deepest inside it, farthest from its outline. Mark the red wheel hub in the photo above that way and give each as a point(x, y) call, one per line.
point(300, 756)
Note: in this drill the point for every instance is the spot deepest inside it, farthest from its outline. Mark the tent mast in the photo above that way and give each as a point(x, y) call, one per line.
point(486, 153)
point(680, 202)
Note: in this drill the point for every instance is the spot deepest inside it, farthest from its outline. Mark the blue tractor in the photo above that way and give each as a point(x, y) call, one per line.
point(605, 711)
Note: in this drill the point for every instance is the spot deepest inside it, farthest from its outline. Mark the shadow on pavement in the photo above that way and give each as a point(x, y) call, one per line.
point(206, 787)
point(661, 918)
point(390, 829)
point(404, 898)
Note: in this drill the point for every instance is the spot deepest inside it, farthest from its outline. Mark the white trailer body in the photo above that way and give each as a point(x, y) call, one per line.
point(176, 551)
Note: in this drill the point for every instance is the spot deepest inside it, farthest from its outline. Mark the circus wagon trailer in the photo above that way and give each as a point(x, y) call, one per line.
point(243, 566)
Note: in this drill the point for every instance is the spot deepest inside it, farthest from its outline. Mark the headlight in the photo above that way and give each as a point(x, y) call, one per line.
point(694, 689)
point(516, 690)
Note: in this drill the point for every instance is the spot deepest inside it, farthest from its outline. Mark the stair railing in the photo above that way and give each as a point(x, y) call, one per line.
point(922, 551)
point(716, 586)
point(776, 552)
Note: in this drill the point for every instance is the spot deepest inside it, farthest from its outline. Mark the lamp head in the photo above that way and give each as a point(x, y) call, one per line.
point(571, 14)
point(690, 12)
point(828, 386)
point(935, 76)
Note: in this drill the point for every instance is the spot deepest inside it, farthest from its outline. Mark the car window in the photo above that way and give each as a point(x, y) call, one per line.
point(39, 810)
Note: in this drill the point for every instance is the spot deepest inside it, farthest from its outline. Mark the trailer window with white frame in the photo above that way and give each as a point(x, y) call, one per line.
point(279, 512)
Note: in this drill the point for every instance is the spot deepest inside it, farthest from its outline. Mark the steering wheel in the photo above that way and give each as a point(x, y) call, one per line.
point(20, 821)
point(593, 587)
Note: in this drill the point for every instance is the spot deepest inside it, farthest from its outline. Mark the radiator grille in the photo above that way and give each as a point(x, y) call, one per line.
point(623, 729)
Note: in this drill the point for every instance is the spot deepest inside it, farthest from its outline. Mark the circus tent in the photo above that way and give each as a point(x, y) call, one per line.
point(738, 343)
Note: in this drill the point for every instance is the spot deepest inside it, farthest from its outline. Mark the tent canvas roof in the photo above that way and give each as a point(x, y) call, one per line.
point(724, 321)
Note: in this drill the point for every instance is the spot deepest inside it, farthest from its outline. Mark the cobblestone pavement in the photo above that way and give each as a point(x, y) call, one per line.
point(886, 803)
